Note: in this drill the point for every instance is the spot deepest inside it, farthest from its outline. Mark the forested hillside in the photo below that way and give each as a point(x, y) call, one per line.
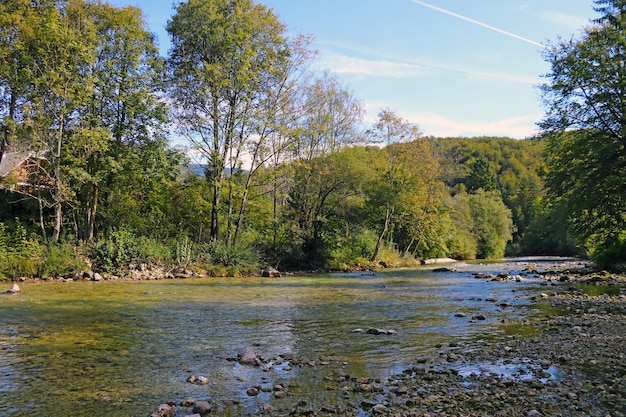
point(294, 177)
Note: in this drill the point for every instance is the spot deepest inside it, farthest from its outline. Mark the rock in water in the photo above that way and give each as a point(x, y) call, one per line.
point(164, 410)
point(202, 407)
point(381, 331)
point(14, 289)
point(248, 356)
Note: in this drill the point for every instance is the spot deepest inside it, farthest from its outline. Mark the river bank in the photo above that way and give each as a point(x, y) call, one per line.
point(569, 362)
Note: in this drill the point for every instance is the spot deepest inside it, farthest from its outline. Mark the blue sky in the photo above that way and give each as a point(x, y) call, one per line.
point(453, 67)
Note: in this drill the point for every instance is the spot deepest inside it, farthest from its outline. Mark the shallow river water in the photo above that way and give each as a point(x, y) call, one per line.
point(123, 348)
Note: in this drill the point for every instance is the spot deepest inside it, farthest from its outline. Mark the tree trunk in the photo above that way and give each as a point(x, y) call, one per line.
point(379, 242)
point(58, 213)
point(42, 223)
point(215, 227)
point(90, 214)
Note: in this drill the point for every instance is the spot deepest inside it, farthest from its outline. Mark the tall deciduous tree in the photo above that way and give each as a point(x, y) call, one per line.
point(60, 86)
point(124, 114)
point(224, 54)
point(391, 129)
point(17, 20)
point(586, 113)
point(329, 122)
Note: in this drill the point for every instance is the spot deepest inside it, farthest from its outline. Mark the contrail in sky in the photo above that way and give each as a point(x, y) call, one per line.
point(476, 22)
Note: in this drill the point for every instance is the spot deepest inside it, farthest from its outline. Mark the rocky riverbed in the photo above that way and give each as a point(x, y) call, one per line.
point(569, 362)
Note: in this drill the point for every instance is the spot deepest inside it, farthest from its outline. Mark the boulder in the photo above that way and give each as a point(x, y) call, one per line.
point(249, 356)
point(201, 407)
point(164, 410)
point(271, 273)
point(189, 402)
point(14, 289)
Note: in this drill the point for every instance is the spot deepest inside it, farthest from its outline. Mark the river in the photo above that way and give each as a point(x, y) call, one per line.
point(122, 348)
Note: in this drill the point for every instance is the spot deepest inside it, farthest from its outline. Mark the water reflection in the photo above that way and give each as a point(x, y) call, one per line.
point(121, 348)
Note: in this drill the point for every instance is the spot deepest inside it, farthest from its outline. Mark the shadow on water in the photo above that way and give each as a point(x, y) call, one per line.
point(121, 348)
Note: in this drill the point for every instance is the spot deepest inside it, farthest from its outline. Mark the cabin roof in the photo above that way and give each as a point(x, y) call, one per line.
point(12, 160)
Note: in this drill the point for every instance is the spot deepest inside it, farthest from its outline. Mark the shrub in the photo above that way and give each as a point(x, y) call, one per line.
point(20, 252)
point(60, 261)
point(240, 255)
point(184, 251)
point(610, 254)
point(122, 247)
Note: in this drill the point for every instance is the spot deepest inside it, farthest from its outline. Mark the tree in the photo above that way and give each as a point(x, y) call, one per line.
point(329, 118)
point(586, 117)
point(481, 176)
point(81, 89)
point(325, 198)
point(275, 118)
point(391, 129)
point(61, 48)
point(17, 20)
point(123, 116)
point(224, 55)
point(493, 225)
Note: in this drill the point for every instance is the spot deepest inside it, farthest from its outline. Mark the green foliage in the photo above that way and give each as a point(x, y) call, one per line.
point(184, 251)
point(19, 252)
point(61, 260)
point(481, 176)
point(493, 224)
point(227, 56)
point(122, 247)
point(87, 87)
point(240, 255)
point(610, 254)
point(355, 251)
point(458, 228)
point(548, 232)
point(481, 225)
point(585, 117)
point(515, 165)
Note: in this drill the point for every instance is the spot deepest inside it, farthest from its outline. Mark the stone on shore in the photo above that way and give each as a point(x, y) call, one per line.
point(271, 273)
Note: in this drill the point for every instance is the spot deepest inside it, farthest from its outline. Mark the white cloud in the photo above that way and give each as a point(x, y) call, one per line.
point(563, 19)
point(349, 65)
point(343, 64)
point(441, 126)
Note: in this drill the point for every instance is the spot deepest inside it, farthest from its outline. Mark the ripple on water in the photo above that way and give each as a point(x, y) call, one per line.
point(519, 370)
